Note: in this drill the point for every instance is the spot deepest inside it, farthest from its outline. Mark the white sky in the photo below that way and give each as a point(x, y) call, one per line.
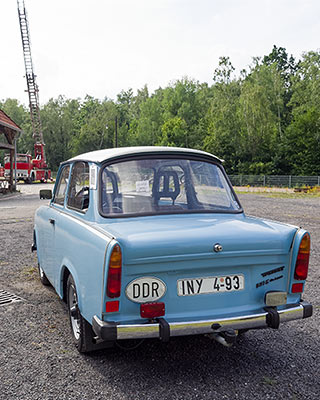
point(100, 47)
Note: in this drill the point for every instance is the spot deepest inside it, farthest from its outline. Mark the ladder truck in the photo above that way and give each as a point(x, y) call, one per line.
point(30, 169)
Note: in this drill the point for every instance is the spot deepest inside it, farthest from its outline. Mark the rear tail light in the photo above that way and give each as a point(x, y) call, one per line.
point(302, 263)
point(114, 273)
point(152, 310)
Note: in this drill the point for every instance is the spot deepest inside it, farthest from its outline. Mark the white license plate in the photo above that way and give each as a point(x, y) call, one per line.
point(212, 284)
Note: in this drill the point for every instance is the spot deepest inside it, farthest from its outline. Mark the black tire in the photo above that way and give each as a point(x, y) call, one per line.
point(81, 330)
point(43, 278)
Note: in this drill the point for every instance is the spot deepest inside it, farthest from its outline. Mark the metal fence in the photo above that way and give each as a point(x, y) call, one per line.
point(290, 181)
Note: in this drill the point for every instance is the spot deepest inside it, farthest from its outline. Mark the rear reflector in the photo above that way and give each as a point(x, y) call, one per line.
point(297, 288)
point(114, 273)
point(112, 306)
point(152, 310)
point(302, 264)
point(273, 299)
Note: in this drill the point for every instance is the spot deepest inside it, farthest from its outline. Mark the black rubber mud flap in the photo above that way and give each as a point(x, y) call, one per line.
point(307, 309)
point(106, 331)
point(164, 330)
point(272, 318)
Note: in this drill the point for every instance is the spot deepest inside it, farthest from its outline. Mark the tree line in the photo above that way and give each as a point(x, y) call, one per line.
point(266, 120)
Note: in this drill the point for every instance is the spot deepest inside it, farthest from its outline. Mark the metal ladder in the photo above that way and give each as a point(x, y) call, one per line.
point(33, 90)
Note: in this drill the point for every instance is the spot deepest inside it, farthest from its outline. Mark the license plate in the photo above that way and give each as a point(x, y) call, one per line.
point(212, 284)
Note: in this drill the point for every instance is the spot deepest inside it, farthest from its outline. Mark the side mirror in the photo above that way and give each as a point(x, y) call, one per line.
point(45, 194)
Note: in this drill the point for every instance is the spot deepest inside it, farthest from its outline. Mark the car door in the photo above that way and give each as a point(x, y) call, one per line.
point(53, 214)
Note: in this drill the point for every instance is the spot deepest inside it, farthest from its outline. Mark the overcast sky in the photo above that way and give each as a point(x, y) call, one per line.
point(100, 47)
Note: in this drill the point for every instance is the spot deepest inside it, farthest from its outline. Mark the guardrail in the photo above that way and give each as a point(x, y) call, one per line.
point(290, 181)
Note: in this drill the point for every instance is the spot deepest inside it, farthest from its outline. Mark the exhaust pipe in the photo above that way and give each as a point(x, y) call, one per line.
point(226, 338)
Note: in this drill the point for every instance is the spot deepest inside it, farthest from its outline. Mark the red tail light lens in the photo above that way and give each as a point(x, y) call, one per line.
point(302, 264)
point(112, 306)
point(114, 273)
point(297, 288)
point(152, 310)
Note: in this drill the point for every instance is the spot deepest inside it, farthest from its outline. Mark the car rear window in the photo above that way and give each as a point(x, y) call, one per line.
point(164, 186)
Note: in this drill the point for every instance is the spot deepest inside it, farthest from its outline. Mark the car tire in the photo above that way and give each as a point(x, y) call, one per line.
point(81, 330)
point(43, 278)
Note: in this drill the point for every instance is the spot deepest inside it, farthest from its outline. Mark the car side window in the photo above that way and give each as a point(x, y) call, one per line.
point(62, 186)
point(78, 196)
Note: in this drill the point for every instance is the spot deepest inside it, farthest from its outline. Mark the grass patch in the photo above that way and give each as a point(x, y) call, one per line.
point(269, 381)
point(281, 195)
point(30, 272)
point(3, 263)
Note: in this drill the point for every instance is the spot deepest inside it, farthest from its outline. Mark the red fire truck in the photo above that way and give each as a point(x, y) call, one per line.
point(28, 169)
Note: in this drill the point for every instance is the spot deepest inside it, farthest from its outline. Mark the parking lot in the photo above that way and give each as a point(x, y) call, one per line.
point(39, 361)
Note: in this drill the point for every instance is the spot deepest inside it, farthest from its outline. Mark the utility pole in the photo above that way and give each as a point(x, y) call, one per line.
point(115, 131)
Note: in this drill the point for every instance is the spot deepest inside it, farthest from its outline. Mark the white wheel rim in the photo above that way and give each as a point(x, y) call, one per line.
point(75, 321)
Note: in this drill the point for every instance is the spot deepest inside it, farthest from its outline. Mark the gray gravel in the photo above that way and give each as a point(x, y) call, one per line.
point(38, 360)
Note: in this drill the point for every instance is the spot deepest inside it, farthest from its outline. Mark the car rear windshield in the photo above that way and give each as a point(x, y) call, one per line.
point(164, 186)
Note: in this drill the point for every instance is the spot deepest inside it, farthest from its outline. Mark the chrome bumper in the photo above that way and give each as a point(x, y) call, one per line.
point(111, 331)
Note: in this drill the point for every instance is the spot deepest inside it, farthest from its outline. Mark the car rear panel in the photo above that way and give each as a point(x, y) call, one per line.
point(183, 248)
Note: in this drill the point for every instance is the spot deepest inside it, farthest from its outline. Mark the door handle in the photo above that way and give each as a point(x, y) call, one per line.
point(52, 221)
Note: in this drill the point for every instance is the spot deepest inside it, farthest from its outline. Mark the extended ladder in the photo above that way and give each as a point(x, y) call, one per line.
point(33, 90)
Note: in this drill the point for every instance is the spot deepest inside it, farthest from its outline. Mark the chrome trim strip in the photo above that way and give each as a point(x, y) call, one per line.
point(104, 276)
point(141, 331)
point(290, 259)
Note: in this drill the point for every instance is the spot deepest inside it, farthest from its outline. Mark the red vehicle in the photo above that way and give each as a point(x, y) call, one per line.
point(30, 170)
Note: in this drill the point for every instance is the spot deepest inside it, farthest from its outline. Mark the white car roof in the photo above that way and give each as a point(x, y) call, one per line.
point(99, 156)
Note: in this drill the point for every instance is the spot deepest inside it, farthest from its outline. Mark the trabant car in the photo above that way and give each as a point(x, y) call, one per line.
point(152, 242)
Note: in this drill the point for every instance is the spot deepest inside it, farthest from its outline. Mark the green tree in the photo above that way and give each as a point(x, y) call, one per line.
point(60, 124)
point(223, 123)
point(174, 132)
point(261, 105)
point(145, 129)
point(302, 140)
point(287, 68)
point(95, 126)
point(21, 116)
point(303, 143)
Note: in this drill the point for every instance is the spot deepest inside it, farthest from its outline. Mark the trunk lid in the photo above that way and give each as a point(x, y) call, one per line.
point(180, 248)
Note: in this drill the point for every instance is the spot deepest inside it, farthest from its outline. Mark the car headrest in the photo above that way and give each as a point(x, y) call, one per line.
point(166, 184)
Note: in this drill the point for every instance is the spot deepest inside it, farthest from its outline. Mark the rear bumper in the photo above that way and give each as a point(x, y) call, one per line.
point(111, 331)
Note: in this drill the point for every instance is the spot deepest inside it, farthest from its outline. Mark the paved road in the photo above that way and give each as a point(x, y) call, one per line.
point(38, 360)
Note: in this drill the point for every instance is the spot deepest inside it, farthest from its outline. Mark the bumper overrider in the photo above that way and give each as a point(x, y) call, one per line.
point(160, 328)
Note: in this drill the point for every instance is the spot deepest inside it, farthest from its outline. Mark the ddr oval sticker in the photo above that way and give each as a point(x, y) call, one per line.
point(146, 289)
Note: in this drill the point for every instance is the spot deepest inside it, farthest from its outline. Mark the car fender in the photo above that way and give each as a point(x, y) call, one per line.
point(68, 265)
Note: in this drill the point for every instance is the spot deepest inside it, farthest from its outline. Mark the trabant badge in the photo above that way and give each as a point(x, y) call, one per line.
point(217, 248)
point(145, 289)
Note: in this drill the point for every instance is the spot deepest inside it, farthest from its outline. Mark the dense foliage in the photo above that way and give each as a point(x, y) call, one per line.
point(266, 121)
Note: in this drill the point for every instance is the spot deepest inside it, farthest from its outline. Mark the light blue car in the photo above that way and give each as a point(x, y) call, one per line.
point(152, 242)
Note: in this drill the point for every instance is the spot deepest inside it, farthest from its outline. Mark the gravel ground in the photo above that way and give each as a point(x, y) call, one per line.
point(38, 360)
